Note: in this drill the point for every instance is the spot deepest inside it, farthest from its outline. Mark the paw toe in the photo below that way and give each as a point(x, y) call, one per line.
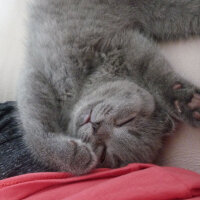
point(195, 102)
point(196, 115)
point(177, 86)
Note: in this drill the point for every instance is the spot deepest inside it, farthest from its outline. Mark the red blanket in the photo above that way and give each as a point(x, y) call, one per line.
point(135, 181)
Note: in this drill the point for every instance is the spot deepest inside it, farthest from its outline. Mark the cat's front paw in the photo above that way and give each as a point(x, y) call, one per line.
point(83, 159)
point(186, 102)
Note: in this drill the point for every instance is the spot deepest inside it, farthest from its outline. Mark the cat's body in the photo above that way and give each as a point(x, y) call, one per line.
point(96, 92)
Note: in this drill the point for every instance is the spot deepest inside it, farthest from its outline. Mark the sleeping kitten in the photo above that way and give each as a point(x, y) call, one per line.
point(96, 92)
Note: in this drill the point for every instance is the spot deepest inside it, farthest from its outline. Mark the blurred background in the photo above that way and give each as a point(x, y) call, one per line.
point(12, 39)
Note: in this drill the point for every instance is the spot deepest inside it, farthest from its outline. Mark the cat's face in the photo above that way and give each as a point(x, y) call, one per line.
point(118, 117)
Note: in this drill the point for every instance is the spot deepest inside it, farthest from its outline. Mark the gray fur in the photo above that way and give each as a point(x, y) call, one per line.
point(96, 92)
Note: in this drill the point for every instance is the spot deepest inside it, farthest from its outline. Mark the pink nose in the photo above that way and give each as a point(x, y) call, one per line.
point(87, 118)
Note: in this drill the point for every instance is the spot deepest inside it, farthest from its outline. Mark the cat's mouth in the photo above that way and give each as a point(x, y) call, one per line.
point(103, 155)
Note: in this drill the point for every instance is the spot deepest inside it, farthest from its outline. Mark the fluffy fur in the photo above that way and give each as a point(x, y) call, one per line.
point(96, 92)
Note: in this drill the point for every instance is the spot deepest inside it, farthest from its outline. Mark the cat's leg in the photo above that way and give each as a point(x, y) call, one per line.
point(41, 115)
point(169, 19)
point(151, 70)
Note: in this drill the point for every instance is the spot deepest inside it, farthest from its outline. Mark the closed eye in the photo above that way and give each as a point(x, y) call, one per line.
point(122, 122)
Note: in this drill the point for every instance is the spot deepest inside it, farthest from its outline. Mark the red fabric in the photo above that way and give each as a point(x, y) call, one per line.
point(133, 182)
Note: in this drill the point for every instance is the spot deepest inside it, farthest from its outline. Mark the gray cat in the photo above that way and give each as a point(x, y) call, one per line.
point(96, 92)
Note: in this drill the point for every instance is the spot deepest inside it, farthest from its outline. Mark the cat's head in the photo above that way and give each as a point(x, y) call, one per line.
point(119, 116)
